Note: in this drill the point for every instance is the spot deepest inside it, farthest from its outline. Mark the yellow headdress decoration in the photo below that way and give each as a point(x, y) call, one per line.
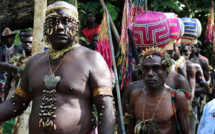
point(154, 50)
point(73, 12)
point(166, 60)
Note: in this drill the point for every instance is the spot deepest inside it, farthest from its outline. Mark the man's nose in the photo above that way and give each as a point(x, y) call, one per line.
point(60, 25)
point(150, 73)
point(28, 44)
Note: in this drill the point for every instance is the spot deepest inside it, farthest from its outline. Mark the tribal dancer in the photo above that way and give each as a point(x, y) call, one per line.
point(64, 82)
point(153, 109)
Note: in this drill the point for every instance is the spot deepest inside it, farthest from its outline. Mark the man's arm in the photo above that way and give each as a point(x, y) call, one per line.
point(14, 106)
point(100, 78)
point(191, 77)
point(182, 112)
point(7, 85)
point(205, 68)
point(8, 67)
point(202, 81)
point(182, 82)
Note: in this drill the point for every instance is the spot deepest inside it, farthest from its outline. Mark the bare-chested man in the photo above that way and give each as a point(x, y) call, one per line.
point(199, 78)
point(186, 68)
point(64, 82)
point(173, 80)
point(195, 57)
point(152, 107)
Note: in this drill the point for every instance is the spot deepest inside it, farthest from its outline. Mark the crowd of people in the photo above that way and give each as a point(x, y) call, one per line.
point(68, 87)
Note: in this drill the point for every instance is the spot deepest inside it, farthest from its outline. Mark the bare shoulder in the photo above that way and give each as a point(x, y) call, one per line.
point(180, 78)
point(36, 57)
point(87, 53)
point(190, 65)
point(136, 92)
point(180, 97)
point(89, 56)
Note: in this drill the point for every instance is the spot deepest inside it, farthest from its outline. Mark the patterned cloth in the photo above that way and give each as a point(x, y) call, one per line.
point(178, 131)
point(89, 32)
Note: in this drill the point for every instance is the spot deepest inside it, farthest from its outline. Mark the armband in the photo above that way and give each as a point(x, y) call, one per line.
point(202, 80)
point(104, 91)
point(20, 92)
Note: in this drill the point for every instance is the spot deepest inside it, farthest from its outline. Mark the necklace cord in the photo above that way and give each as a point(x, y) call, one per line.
point(155, 108)
point(58, 64)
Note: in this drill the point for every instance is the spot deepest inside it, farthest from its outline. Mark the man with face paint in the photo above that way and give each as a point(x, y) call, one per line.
point(151, 106)
point(65, 83)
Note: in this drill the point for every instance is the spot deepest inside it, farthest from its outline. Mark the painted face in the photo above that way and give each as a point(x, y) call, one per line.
point(153, 74)
point(185, 50)
point(61, 29)
point(27, 43)
point(90, 18)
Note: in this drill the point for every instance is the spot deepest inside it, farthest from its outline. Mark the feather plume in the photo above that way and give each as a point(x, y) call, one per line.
point(210, 25)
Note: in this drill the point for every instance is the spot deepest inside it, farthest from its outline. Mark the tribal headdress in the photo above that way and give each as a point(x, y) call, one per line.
point(166, 60)
point(51, 21)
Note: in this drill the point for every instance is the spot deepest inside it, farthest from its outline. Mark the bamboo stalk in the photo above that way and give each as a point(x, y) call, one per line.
point(111, 22)
point(39, 18)
point(146, 6)
point(116, 76)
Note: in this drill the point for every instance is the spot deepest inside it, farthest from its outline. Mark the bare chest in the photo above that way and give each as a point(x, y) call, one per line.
point(163, 114)
point(73, 79)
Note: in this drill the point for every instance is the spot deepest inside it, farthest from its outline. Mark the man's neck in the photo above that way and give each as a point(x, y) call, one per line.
point(192, 55)
point(91, 25)
point(156, 92)
point(8, 46)
point(27, 53)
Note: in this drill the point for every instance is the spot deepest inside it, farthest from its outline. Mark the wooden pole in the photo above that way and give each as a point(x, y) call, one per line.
point(146, 6)
point(39, 18)
point(111, 22)
point(116, 75)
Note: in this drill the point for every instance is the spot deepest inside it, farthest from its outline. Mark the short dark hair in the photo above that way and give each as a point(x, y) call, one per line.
point(90, 12)
point(199, 43)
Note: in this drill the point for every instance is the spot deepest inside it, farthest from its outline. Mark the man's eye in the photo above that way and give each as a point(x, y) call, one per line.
point(156, 68)
point(145, 68)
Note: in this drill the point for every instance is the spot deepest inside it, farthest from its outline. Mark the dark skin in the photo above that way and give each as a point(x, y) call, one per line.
point(74, 91)
point(91, 19)
point(9, 40)
point(194, 57)
point(10, 69)
point(192, 68)
point(154, 76)
point(173, 80)
point(186, 68)
point(27, 45)
point(94, 42)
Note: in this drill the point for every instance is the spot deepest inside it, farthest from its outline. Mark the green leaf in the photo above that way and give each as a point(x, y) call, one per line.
point(82, 38)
